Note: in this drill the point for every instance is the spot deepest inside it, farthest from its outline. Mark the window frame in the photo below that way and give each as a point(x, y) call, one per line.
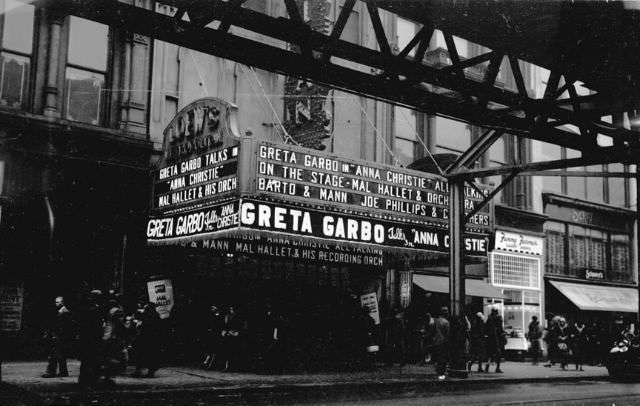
point(575, 272)
point(27, 102)
point(105, 98)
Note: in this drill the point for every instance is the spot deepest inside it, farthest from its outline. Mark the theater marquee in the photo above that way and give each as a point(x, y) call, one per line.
point(212, 183)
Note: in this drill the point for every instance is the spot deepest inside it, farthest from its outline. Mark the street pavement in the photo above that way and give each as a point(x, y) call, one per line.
point(23, 381)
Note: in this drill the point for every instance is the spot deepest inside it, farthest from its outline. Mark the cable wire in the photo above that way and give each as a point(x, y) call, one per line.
point(377, 133)
point(423, 144)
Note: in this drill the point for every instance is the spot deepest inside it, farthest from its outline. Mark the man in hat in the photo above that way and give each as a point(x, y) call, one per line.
point(534, 335)
point(59, 338)
point(441, 337)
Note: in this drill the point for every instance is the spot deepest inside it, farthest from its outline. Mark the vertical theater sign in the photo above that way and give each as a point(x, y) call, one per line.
point(214, 185)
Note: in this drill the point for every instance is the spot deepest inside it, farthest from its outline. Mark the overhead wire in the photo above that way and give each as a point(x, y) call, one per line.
point(377, 133)
point(440, 170)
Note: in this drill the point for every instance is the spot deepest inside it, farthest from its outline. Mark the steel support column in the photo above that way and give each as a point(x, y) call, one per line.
point(458, 365)
point(638, 240)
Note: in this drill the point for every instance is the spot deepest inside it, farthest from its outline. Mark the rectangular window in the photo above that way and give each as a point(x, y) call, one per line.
point(509, 270)
point(576, 186)
point(589, 249)
point(620, 258)
point(554, 247)
point(86, 70)
point(617, 186)
point(16, 52)
point(549, 152)
point(406, 136)
point(595, 185)
point(577, 250)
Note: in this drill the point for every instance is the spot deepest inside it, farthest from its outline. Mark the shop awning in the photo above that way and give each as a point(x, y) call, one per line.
point(473, 287)
point(603, 298)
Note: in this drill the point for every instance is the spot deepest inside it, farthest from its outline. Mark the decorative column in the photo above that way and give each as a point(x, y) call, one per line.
point(51, 88)
point(135, 81)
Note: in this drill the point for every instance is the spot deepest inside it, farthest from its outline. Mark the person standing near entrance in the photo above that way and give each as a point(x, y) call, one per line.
point(496, 339)
point(534, 335)
point(58, 339)
point(441, 338)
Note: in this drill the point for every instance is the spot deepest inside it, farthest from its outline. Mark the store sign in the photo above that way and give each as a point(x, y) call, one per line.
point(185, 226)
point(593, 275)
point(609, 219)
point(161, 294)
point(286, 171)
point(297, 220)
point(11, 303)
point(293, 249)
point(518, 242)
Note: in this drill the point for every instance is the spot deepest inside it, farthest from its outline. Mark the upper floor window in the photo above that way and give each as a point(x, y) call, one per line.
point(17, 25)
point(86, 70)
point(406, 135)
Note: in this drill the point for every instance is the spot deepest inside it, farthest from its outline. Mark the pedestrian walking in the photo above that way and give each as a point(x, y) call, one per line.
point(578, 336)
point(90, 333)
point(551, 338)
point(214, 323)
point(441, 342)
point(478, 352)
point(114, 347)
point(428, 337)
point(534, 335)
point(563, 343)
point(148, 343)
point(395, 337)
point(496, 339)
point(231, 335)
point(58, 339)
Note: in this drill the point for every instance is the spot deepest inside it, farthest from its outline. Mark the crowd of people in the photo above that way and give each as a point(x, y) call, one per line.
point(270, 338)
point(577, 342)
point(105, 340)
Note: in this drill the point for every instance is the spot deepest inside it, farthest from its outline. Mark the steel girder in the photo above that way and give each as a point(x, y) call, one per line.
point(381, 73)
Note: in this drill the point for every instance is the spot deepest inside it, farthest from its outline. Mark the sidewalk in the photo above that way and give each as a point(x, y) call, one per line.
point(26, 378)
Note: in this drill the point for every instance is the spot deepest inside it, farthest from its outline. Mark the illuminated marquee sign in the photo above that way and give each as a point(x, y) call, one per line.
point(284, 171)
point(205, 177)
point(211, 183)
point(190, 224)
point(289, 219)
point(294, 249)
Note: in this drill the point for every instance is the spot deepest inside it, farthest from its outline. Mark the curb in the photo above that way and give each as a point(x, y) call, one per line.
point(327, 388)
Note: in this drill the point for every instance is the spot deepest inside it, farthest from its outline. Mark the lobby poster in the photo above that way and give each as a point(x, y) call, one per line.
point(11, 303)
point(370, 302)
point(161, 293)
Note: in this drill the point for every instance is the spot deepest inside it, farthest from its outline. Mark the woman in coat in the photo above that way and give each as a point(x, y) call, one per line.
point(578, 343)
point(496, 339)
point(478, 351)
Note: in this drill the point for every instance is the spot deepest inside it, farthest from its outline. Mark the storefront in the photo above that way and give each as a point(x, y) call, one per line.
point(589, 273)
point(245, 221)
point(516, 268)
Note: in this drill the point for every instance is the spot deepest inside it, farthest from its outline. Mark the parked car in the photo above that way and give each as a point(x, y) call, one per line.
point(623, 361)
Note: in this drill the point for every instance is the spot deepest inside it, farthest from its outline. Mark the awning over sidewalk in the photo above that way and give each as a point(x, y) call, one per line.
point(602, 298)
point(473, 287)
